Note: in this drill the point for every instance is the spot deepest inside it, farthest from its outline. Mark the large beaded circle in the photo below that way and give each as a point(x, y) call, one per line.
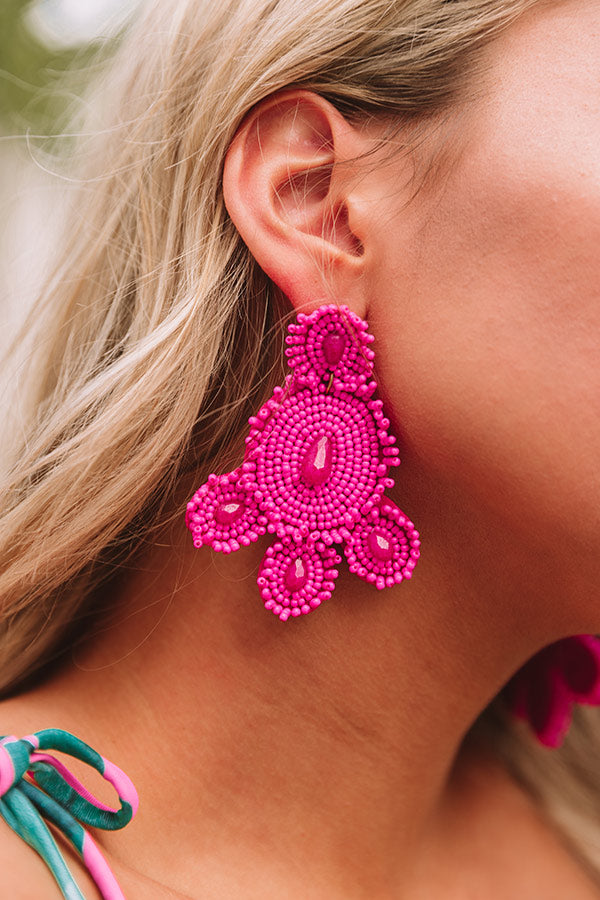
point(383, 548)
point(295, 578)
point(319, 465)
point(224, 514)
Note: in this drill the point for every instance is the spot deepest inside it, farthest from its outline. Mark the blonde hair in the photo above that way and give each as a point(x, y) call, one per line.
point(157, 334)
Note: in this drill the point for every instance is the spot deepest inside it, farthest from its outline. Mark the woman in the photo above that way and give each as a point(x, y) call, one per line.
point(434, 166)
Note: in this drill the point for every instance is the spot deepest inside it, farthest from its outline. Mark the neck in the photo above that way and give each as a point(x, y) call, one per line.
point(326, 741)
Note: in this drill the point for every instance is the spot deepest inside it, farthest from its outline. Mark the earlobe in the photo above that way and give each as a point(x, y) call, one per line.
point(288, 181)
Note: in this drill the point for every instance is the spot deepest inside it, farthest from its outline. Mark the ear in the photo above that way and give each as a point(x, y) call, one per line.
point(291, 188)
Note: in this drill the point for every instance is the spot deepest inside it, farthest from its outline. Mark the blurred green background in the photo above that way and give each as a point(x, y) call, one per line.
point(29, 70)
point(39, 41)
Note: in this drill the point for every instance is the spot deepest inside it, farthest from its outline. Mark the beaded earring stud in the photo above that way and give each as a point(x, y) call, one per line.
point(316, 466)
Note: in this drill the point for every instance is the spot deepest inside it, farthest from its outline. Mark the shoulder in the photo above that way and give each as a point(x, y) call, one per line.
point(23, 873)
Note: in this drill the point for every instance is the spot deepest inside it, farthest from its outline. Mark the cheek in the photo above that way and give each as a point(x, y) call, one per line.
point(489, 343)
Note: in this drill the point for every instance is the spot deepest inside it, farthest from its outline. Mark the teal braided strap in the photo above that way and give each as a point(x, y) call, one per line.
point(57, 796)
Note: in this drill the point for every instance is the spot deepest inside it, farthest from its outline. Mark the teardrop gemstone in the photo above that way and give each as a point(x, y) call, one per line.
point(296, 575)
point(317, 462)
point(380, 544)
point(334, 344)
point(228, 512)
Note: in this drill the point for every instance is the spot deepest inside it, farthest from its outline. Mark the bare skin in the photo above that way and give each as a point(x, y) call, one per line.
point(321, 759)
point(352, 805)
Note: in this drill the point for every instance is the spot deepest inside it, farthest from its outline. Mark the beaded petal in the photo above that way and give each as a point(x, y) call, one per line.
point(297, 576)
point(224, 514)
point(383, 548)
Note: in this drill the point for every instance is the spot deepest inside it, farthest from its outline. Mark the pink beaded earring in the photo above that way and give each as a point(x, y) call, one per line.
point(557, 679)
point(316, 466)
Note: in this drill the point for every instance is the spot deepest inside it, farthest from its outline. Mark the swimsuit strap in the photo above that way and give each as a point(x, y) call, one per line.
point(56, 795)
